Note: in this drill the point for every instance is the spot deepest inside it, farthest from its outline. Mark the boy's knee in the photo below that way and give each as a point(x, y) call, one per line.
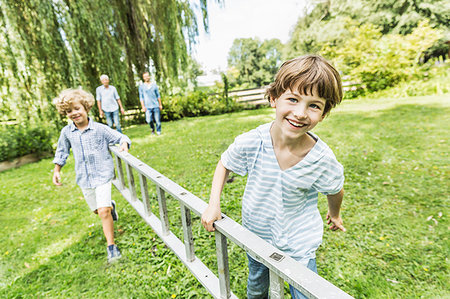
point(104, 212)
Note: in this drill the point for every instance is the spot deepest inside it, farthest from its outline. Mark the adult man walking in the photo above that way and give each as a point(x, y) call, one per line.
point(151, 103)
point(108, 102)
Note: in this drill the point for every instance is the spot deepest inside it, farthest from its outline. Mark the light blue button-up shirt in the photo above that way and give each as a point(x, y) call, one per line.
point(108, 97)
point(149, 94)
point(94, 165)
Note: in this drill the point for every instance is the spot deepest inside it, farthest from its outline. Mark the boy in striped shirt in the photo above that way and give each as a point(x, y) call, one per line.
point(287, 166)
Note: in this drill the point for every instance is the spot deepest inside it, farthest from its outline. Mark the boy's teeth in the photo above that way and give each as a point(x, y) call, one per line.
point(296, 125)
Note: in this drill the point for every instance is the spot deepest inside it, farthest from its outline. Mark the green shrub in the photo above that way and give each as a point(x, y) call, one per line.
point(434, 82)
point(196, 103)
point(380, 61)
point(20, 140)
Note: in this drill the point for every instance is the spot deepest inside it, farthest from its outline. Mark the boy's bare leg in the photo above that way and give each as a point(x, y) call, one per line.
point(108, 224)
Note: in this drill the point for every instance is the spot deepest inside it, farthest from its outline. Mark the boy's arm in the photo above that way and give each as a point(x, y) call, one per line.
point(124, 147)
point(114, 137)
point(213, 212)
point(61, 154)
point(57, 175)
point(334, 206)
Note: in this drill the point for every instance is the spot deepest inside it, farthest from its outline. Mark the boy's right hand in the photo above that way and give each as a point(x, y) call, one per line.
point(209, 216)
point(57, 178)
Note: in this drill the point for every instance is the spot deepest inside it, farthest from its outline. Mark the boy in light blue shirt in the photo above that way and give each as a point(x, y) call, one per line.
point(287, 166)
point(94, 166)
point(151, 103)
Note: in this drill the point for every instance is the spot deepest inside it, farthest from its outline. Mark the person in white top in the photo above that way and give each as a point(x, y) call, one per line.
point(287, 166)
point(108, 102)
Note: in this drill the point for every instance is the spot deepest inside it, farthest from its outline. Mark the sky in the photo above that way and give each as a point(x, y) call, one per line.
point(233, 19)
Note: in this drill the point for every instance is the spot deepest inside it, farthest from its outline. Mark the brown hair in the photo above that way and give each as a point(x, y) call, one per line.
point(312, 73)
point(69, 96)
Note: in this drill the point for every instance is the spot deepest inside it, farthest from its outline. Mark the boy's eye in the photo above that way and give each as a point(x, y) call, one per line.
point(315, 106)
point(292, 100)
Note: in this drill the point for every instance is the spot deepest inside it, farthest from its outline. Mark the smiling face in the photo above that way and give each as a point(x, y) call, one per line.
point(146, 77)
point(78, 114)
point(297, 113)
point(105, 82)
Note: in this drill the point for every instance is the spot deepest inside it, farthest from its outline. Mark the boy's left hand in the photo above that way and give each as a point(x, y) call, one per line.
point(336, 222)
point(123, 147)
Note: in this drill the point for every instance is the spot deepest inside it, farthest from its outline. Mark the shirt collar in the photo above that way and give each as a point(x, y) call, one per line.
point(317, 149)
point(264, 132)
point(89, 127)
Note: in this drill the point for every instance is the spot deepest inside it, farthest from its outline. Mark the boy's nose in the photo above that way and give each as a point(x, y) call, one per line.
point(300, 112)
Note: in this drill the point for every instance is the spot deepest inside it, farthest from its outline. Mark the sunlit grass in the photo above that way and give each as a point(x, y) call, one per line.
point(395, 154)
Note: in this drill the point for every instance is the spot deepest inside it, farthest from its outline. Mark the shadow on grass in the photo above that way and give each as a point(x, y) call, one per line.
point(395, 179)
point(396, 184)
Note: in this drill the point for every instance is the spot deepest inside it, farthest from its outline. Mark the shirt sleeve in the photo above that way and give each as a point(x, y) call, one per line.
point(116, 94)
point(331, 176)
point(235, 158)
point(157, 91)
point(114, 137)
point(141, 93)
point(98, 94)
point(62, 150)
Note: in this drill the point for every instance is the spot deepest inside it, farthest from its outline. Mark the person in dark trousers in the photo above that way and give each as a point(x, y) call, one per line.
point(151, 103)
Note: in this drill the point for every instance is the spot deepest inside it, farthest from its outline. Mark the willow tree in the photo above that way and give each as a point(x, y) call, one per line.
point(48, 45)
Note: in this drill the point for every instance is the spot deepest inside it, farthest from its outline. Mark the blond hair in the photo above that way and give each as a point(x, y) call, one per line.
point(310, 74)
point(69, 96)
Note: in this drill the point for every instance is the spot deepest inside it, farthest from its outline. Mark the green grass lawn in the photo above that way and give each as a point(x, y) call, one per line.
point(396, 209)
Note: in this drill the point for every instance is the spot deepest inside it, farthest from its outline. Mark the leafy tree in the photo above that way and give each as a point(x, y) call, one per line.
point(379, 61)
point(48, 45)
point(403, 16)
point(324, 22)
point(256, 61)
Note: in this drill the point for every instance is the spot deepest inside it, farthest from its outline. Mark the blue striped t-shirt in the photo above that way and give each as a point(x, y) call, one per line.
point(278, 205)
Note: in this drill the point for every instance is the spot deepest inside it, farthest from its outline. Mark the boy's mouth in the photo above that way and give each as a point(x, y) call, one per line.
point(297, 125)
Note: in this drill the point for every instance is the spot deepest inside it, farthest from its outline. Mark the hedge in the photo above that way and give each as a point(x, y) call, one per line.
point(20, 140)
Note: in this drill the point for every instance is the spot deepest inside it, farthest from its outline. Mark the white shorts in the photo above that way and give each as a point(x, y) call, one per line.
point(99, 197)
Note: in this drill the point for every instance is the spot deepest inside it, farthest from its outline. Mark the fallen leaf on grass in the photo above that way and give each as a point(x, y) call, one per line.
point(393, 281)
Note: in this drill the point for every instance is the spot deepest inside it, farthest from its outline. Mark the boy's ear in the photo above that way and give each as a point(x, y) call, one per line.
point(273, 103)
